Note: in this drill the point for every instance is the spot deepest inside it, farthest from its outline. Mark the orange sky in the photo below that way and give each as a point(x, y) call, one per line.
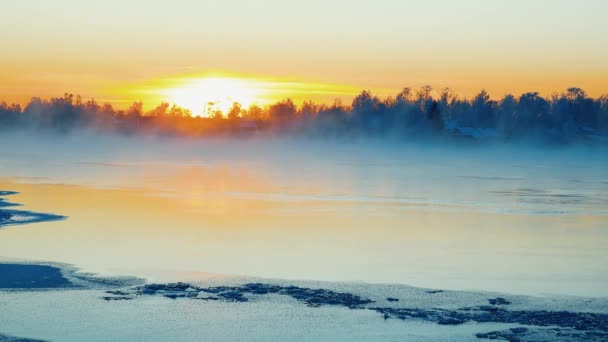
point(119, 51)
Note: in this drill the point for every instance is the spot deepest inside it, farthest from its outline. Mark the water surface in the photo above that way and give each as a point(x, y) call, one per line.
point(510, 219)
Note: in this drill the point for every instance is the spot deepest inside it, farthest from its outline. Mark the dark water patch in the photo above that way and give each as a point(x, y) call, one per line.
point(591, 322)
point(439, 316)
point(544, 334)
point(19, 217)
point(434, 291)
point(117, 295)
point(207, 298)
point(9, 338)
point(32, 276)
point(5, 204)
point(5, 216)
point(513, 334)
point(310, 297)
point(498, 301)
point(115, 298)
point(25, 276)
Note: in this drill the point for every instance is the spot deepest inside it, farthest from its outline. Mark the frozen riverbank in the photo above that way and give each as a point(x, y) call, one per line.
point(257, 309)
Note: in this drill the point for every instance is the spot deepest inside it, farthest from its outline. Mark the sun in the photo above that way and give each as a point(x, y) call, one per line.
point(204, 96)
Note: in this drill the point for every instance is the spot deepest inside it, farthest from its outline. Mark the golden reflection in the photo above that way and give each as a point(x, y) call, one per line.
point(138, 232)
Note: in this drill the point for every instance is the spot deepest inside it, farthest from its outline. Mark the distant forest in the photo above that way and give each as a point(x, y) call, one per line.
point(569, 116)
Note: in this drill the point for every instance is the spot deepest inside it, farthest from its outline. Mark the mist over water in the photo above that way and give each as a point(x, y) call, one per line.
point(494, 177)
point(316, 171)
point(506, 217)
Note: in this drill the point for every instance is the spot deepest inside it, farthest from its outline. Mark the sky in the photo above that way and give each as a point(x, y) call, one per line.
point(127, 50)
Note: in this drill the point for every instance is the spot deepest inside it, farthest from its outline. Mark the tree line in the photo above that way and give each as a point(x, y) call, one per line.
point(563, 117)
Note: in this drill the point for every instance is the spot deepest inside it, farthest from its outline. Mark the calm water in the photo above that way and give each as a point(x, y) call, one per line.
point(509, 219)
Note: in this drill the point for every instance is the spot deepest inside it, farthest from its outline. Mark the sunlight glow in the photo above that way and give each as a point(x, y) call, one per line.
point(206, 95)
point(210, 91)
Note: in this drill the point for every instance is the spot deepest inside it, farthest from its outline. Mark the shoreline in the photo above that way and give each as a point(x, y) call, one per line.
point(534, 317)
